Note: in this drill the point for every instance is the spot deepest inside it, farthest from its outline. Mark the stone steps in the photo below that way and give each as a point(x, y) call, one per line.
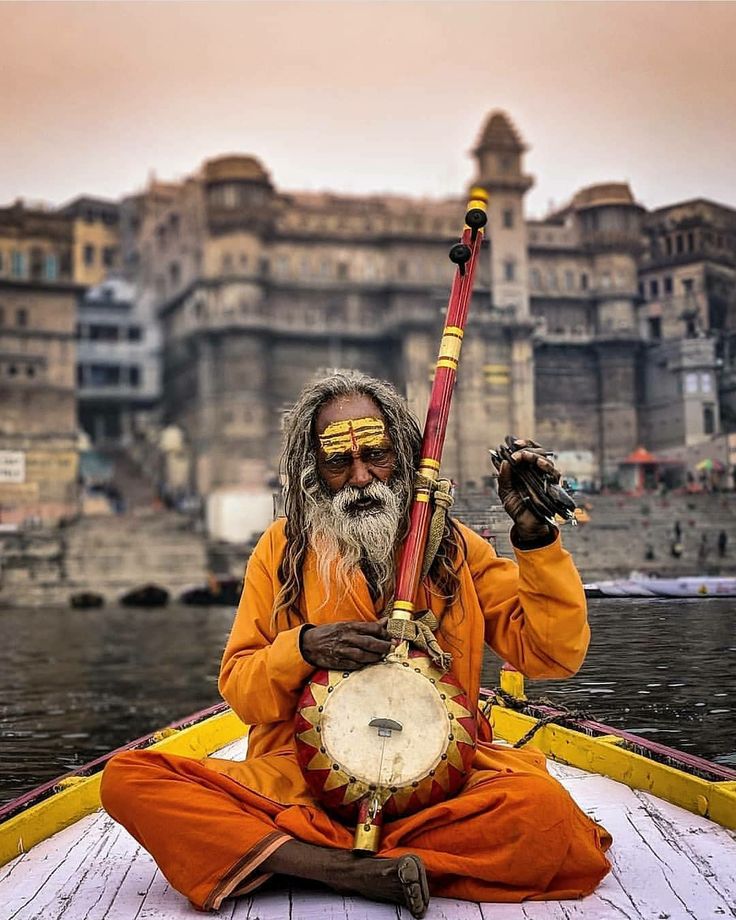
point(106, 555)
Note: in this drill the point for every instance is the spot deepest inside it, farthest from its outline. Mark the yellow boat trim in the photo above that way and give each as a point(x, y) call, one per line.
point(607, 756)
point(80, 795)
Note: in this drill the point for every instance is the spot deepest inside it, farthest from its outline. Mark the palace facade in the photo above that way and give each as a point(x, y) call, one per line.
point(588, 329)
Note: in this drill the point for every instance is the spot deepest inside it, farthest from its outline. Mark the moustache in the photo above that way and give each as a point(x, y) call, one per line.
point(373, 498)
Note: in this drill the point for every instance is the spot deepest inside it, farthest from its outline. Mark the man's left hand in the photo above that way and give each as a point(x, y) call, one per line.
point(529, 528)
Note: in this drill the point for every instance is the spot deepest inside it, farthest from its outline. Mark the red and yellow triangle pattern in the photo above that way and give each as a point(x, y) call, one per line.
point(340, 793)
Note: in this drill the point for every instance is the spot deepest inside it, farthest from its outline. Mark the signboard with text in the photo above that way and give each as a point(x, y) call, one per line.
point(12, 466)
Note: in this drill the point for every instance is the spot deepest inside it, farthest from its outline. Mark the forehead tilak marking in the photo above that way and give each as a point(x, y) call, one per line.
point(352, 433)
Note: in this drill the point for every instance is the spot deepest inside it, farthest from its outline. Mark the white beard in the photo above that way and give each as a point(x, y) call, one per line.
point(354, 526)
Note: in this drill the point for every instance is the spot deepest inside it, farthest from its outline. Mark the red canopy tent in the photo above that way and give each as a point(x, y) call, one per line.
point(640, 470)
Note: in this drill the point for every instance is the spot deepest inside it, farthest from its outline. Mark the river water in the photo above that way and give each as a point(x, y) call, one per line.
point(76, 683)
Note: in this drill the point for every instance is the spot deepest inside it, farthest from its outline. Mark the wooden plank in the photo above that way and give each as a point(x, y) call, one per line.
point(265, 905)
point(448, 909)
point(711, 849)
point(45, 869)
point(310, 904)
point(655, 874)
point(88, 892)
point(162, 902)
point(128, 898)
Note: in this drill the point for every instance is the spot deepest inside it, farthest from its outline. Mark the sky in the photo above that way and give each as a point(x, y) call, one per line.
point(368, 97)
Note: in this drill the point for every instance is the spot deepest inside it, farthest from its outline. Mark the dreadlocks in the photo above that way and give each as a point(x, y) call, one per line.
point(305, 491)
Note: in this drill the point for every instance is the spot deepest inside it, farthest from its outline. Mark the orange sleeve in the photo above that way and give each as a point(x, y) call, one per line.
point(262, 674)
point(535, 612)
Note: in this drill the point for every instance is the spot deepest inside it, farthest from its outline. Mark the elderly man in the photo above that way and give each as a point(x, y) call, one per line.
point(315, 591)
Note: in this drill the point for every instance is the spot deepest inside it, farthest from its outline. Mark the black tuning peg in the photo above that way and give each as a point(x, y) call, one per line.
point(460, 255)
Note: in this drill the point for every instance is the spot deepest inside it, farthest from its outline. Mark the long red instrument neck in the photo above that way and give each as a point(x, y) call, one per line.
point(438, 411)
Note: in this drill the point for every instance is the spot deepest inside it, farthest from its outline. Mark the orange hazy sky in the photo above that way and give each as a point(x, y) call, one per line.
point(368, 96)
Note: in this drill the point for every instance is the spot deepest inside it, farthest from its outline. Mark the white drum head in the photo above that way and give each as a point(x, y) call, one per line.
point(387, 695)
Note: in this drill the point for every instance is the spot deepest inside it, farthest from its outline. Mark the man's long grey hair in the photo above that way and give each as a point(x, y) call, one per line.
point(305, 491)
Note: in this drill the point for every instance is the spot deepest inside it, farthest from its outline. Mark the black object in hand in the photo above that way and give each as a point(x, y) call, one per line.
point(541, 492)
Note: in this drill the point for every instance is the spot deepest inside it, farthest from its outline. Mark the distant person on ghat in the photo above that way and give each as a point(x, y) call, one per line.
point(315, 592)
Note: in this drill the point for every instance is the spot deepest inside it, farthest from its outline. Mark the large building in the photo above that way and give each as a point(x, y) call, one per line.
point(96, 238)
point(118, 362)
point(599, 328)
point(38, 299)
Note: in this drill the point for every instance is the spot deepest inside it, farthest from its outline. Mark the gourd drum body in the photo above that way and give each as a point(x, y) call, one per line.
point(400, 730)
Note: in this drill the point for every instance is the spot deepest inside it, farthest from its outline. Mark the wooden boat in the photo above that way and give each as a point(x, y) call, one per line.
point(145, 596)
point(650, 586)
point(219, 590)
point(86, 600)
point(672, 816)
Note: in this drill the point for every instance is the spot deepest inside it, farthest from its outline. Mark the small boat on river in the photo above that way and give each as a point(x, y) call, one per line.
point(146, 596)
point(651, 586)
point(672, 817)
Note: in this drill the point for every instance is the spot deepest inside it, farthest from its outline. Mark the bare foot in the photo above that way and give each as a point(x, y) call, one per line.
point(399, 881)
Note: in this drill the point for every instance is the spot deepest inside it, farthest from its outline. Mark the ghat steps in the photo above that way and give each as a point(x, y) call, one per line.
point(108, 555)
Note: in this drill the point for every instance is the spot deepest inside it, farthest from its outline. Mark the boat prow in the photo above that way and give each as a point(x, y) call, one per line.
point(672, 817)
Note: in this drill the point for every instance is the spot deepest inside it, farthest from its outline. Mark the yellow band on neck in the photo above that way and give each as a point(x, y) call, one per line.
point(351, 434)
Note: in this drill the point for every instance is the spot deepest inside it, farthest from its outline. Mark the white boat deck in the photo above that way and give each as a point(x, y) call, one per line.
point(667, 865)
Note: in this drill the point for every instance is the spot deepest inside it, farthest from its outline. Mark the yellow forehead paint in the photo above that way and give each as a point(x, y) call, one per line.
point(351, 434)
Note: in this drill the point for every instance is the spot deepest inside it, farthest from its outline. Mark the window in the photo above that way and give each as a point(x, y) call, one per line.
point(552, 279)
point(18, 264)
point(642, 293)
point(705, 383)
point(104, 375)
point(584, 281)
point(691, 383)
point(509, 270)
point(134, 375)
point(569, 280)
point(227, 263)
point(606, 280)
point(655, 327)
point(508, 218)
point(134, 333)
point(230, 196)
point(89, 255)
point(342, 270)
point(108, 256)
point(690, 241)
point(709, 418)
point(536, 279)
point(51, 267)
point(98, 333)
point(687, 286)
point(2, 316)
point(668, 284)
point(654, 288)
point(668, 245)
point(679, 243)
point(174, 274)
point(21, 317)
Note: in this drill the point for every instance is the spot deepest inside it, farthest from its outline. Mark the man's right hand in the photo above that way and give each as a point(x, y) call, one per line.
point(345, 646)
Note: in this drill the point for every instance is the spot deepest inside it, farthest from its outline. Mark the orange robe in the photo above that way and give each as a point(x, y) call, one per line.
point(512, 832)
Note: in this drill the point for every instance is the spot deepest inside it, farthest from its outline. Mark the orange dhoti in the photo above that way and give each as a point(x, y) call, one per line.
point(512, 833)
